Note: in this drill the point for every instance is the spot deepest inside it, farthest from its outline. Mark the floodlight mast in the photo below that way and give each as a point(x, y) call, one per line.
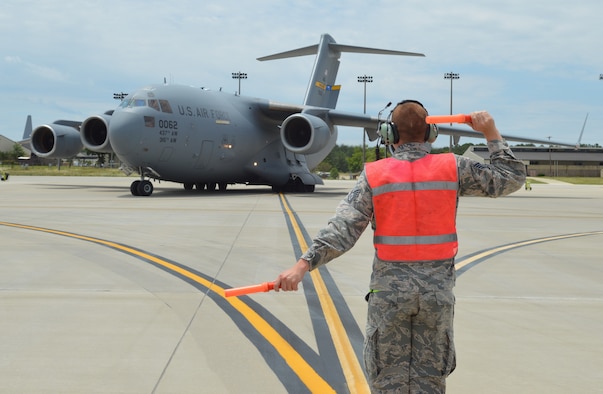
point(364, 79)
point(451, 76)
point(239, 75)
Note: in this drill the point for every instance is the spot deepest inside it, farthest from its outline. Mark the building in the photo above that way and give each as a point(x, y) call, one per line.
point(553, 161)
point(6, 145)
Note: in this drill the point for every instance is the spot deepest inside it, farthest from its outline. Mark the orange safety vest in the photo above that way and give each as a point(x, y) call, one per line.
point(414, 207)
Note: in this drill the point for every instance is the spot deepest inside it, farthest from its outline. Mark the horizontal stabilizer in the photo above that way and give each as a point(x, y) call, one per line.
point(374, 51)
point(313, 50)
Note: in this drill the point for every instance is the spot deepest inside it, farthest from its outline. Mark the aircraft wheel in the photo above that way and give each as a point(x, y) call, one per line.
point(188, 186)
point(222, 187)
point(211, 186)
point(134, 188)
point(310, 188)
point(145, 188)
point(200, 186)
point(299, 186)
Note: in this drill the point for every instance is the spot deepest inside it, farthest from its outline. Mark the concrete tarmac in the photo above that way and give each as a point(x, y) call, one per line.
point(104, 292)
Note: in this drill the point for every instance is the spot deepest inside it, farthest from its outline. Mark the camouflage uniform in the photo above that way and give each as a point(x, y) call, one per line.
point(409, 344)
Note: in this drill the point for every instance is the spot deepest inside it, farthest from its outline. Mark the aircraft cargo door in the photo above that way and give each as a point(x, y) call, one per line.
point(207, 147)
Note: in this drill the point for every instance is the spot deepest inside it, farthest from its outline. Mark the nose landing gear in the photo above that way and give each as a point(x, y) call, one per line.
point(142, 187)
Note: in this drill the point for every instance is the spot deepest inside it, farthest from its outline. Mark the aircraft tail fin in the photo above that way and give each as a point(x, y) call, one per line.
point(28, 128)
point(322, 90)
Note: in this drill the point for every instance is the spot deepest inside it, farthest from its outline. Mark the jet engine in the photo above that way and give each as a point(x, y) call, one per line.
point(94, 133)
point(55, 141)
point(306, 134)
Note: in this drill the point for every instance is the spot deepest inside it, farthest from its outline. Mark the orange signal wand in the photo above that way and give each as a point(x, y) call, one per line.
point(459, 118)
point(259, 288)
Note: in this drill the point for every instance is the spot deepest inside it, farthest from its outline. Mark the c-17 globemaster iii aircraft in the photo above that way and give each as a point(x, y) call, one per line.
point(203, 138)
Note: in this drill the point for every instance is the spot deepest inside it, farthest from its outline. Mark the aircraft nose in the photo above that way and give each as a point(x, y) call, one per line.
point(125, 131)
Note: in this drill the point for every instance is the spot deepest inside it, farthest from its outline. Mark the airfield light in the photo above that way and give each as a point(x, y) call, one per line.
point(451, 76)
point(239, 75)
point(364, 79)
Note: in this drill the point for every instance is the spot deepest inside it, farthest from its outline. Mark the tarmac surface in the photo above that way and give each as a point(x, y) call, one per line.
point(104, 292)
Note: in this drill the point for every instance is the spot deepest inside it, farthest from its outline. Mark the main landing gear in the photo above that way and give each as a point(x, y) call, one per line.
point(294, 186)
point(142, 187)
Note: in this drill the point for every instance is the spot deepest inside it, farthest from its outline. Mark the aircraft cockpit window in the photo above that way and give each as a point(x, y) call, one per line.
point(165, 106)
point(133, 102)
point(154, 104)
point(124, 103)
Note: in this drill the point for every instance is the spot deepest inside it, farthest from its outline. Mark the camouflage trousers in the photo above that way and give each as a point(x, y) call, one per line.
point(409, 344)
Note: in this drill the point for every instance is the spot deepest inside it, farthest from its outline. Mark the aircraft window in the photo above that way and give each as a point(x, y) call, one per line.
point(131, 102)
point(124, 103)
point(154, 104)
point(165, 106)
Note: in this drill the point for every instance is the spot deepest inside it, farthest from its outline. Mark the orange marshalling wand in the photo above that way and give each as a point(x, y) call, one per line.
point(259, 288)
point(459, 118)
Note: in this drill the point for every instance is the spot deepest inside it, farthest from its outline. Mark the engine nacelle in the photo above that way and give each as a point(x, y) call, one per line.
point(94, 133)
point(55, 141)
point(303, 133)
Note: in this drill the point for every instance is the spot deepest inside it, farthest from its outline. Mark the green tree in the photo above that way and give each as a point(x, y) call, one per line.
point(338, 157)
point(14, 154)
point(346, 158)
point(334, 174)
point(324, 166)
point(355, 160)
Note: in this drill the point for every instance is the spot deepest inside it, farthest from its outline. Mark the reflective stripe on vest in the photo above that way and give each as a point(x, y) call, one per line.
point(414, 207)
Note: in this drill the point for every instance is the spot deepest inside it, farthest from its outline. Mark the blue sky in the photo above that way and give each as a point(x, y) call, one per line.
point(534, 65)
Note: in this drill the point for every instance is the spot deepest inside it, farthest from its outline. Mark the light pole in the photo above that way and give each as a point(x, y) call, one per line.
point(239, 75)
point(550, 157)
point(451, 76)
point(364, 79)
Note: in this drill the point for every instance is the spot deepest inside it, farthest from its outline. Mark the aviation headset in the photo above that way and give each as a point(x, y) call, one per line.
point(389, 132)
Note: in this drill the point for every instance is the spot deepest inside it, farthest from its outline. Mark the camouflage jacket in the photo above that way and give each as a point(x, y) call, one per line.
point(504, 175)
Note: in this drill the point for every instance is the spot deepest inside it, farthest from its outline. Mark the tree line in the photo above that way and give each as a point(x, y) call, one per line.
point(348, 159)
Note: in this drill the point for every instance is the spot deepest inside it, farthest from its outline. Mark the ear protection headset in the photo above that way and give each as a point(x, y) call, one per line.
point(389, 132)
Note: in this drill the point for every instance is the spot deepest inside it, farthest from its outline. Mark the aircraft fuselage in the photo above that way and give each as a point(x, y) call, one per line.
point(196, 136)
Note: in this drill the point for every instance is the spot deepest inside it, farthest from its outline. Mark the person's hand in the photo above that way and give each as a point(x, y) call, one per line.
point(289, 279)
point(483, 122)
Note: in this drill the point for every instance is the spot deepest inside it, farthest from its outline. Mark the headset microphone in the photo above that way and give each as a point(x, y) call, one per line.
point(386, 129)
point(384, 108)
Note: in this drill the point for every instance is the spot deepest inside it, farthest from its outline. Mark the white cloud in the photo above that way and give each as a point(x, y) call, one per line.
point(538, 58)
point(39, 71)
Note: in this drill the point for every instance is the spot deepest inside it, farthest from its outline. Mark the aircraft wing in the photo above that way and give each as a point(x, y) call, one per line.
point(280, 111)
point(370, 124)
point(474, 134)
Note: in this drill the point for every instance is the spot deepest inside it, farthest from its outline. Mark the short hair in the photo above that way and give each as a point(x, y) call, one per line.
point(409, 118)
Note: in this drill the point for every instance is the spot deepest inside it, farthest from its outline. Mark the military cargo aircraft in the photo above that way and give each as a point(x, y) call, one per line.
point(208, 139)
